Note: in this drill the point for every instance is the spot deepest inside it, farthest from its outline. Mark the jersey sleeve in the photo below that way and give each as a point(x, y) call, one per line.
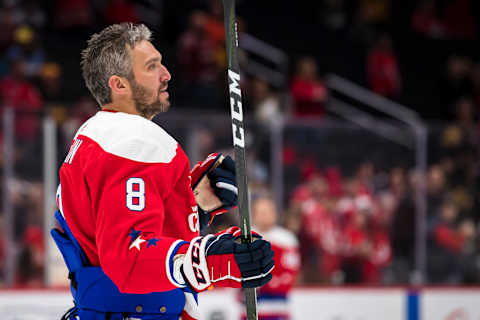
point(129, 207)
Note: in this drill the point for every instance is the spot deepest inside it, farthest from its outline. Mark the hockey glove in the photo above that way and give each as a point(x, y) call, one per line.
point(214, 186)
point(222, 261)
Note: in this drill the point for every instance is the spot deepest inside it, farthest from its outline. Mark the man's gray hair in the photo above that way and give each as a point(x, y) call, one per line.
point(107, 55)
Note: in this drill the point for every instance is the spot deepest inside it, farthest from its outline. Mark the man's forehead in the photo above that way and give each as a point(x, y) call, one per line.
point(144, 50)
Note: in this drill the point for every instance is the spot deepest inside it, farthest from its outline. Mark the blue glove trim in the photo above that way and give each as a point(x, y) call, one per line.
point(172, 255)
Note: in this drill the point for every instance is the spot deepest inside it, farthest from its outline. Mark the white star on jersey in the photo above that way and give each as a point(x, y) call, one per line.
point(137, 243)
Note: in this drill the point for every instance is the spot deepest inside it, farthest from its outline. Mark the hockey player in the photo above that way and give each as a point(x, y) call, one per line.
point(273, 297)
point(128, 216)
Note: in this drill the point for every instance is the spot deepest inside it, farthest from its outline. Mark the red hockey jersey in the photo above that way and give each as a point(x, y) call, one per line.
point(273, 296)
point(287, 261)
point(125, 193)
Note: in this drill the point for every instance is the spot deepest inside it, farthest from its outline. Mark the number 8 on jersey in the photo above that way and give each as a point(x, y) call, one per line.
point(135, 194)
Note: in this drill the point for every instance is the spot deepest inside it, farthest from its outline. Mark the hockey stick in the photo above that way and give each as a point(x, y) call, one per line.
point(231, 38)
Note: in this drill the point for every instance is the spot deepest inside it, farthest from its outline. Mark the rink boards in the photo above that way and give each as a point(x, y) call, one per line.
point(306, 303)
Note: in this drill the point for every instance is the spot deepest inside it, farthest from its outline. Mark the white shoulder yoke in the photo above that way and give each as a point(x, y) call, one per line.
point(130, 136)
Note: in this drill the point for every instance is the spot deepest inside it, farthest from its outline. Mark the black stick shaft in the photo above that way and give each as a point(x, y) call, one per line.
point(238, 138)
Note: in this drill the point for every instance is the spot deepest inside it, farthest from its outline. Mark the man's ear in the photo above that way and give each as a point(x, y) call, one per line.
point(118, 85)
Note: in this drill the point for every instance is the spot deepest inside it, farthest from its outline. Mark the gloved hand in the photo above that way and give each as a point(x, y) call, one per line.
point(214, 186)
point(222, 261)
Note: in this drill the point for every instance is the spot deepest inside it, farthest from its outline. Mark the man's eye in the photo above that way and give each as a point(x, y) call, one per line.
point(152, 66)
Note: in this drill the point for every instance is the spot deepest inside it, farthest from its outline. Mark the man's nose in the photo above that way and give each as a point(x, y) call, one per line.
point(165, 75)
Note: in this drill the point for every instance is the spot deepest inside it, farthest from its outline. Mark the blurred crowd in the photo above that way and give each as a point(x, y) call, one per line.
point(353, 225)
point(362, 228)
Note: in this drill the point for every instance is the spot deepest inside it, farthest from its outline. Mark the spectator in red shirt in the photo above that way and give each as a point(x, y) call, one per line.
point(444, 234)
point(381, 250)
point(382, 68)
point(308, 90)
point(319, 229)
point(356, 247)
point(366, 247)
point(18, 93)
point(447, 244)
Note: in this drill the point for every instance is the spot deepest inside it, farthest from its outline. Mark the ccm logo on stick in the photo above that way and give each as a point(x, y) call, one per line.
point(236, 106)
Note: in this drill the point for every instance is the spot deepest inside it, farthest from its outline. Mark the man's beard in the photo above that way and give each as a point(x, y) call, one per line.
point(141, 95)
